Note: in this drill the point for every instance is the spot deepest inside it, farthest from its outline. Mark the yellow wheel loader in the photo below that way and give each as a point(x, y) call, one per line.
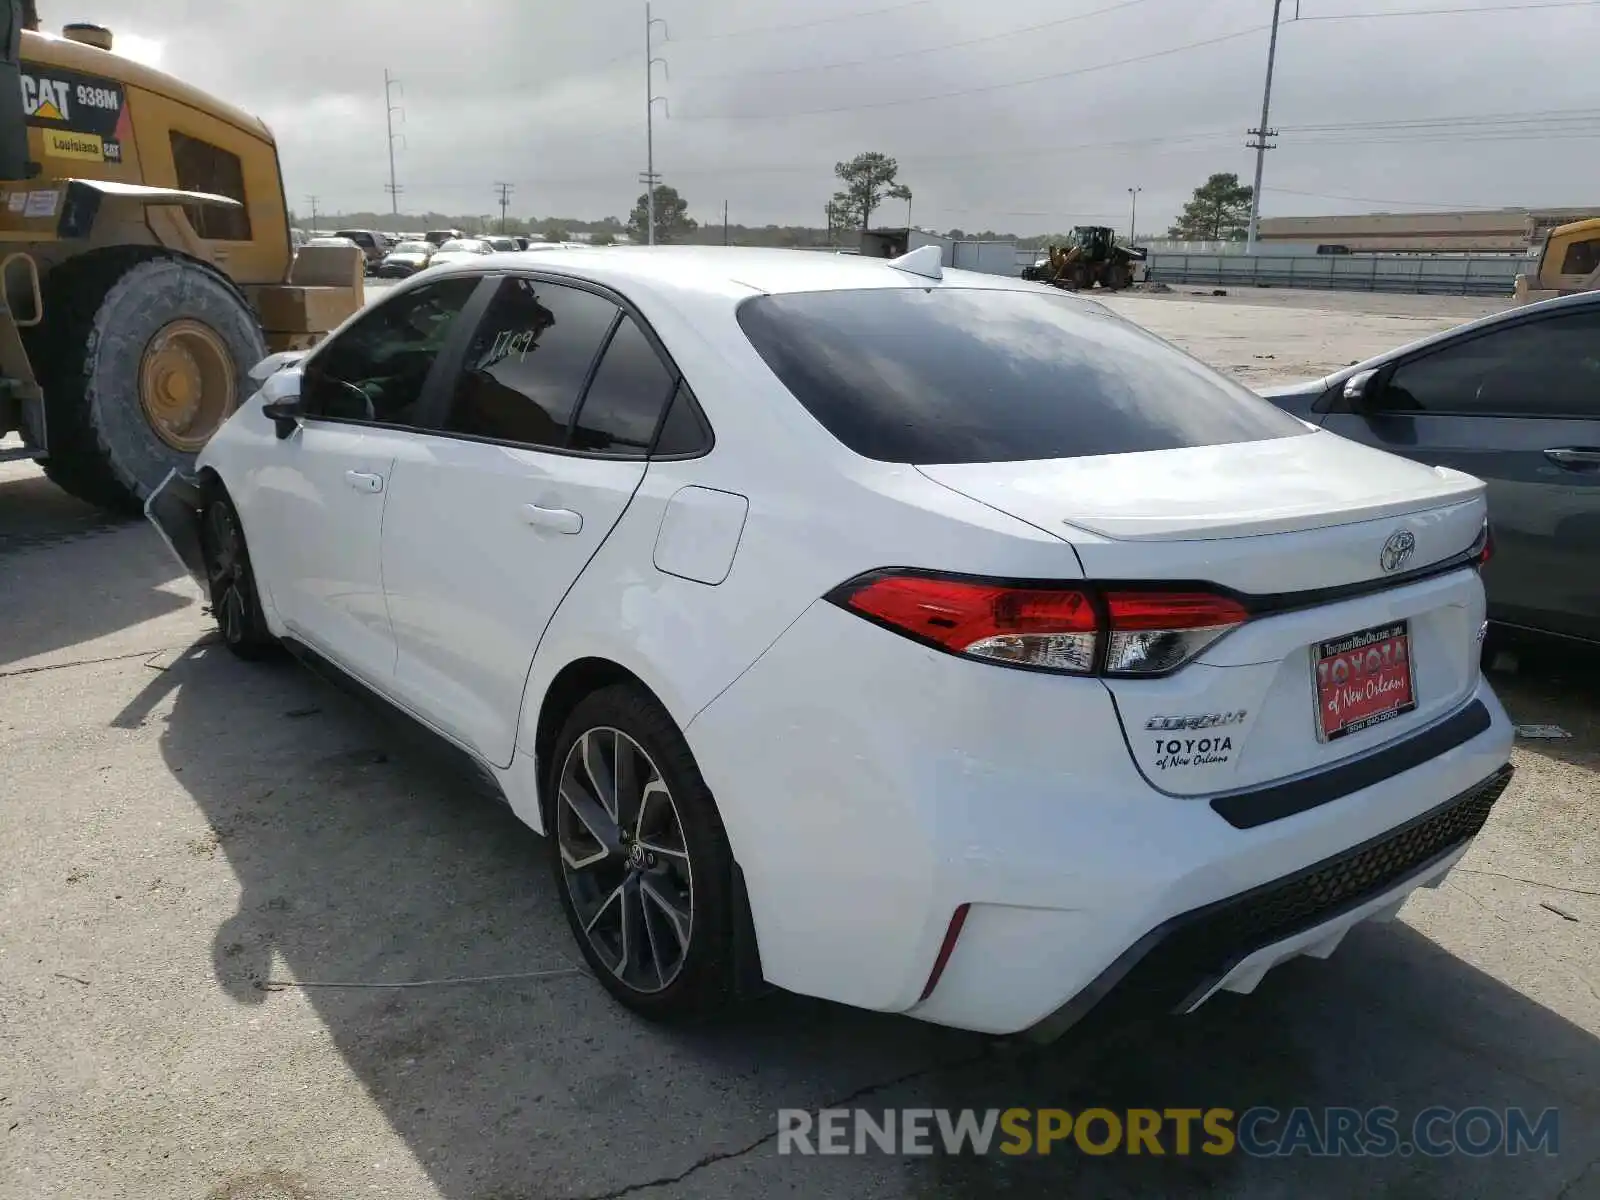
point(145, 262)
point(1093, 255)
point(1570, 262)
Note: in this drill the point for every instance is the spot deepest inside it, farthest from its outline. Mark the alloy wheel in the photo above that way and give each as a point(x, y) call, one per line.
point(624, 859)
point(228, 571)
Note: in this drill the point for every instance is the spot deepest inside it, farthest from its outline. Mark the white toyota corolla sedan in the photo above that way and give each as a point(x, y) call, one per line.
point(927, 641)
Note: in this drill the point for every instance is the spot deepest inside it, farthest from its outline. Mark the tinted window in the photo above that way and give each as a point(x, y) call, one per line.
point(1581, 257)
point(374, 370)
point(684, 431)
point(623, 405)
point(202, 167)
point(936, 375)
point(1543, 368)
point(528, 362)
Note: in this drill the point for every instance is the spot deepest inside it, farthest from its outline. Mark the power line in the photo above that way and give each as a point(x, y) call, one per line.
point(1539, 117)
point(834, 20)
point(1450, 12)
point(1508, 135)
point(981, 89)
point(901, 54)
point(1371, 199)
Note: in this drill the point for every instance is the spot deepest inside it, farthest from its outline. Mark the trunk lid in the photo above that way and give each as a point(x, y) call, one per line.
point(1300, 526)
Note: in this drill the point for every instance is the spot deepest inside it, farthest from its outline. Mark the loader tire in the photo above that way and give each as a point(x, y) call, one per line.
point(141, 358)
point(1119, 276)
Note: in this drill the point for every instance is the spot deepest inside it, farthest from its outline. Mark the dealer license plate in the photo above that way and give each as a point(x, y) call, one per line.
point(1362, 679)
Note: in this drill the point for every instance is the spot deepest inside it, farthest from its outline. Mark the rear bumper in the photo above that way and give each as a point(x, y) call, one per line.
point(871, 787)
point(1230, 944)
point(174, 509)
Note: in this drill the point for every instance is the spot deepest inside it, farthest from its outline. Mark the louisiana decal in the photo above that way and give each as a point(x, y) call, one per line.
point(85, 116)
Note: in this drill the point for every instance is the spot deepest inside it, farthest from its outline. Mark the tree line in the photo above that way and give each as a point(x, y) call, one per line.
point(1218, 211)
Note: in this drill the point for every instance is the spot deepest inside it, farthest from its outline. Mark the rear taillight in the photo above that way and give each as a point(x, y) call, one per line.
point(1483, 549)
point(1035, 627)
point(1154, 632)
point(1074, 628)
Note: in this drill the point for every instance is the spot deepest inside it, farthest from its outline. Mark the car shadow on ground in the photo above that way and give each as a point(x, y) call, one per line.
point(362, 860)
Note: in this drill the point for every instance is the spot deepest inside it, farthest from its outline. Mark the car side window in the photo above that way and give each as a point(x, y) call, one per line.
point(1549, 367)
point(625, 400)
point(684, 432)
point(528, 362)
point(375, 370)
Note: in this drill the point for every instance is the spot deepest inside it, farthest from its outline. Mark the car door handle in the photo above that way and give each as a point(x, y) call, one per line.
point(364, 481)
point(561, 520)
point(1574, 456)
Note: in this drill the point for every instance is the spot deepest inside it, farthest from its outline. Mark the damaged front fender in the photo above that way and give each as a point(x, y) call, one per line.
point(175, 508)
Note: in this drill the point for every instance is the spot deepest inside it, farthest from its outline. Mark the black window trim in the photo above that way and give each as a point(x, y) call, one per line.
point(434, 417)
point(447, 360)
point(1333, 403)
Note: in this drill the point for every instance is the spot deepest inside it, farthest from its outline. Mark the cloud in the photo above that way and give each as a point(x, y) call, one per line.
point(552, 98)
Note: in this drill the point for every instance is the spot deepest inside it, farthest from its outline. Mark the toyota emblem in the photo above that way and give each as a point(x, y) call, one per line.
point(1397, 551)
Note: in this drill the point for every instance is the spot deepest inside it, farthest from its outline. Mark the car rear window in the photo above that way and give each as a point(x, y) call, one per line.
point(954, 375)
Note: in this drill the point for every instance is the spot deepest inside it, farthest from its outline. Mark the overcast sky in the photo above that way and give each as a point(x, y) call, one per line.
point(766, 95)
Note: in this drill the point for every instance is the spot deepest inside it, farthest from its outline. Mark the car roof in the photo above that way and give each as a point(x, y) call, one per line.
point(731, 271)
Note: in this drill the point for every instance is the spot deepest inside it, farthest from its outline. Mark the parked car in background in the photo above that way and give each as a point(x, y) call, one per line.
point(329, 240)
point(407, 258)
point(1515, 400)
point(460, 250)
point(373, 245)
point(522, 240)
point(501, 242)
point(440, 236)
point(923, 640)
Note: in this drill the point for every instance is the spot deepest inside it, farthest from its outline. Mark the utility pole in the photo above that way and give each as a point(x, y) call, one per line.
point(312, 200)
point(1133, 214)
point(724, 222)
point(505, 190)
point(390, 108)
point(650, 98)
point(1261, 133)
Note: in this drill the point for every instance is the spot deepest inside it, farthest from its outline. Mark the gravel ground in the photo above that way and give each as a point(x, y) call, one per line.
point(184, 834)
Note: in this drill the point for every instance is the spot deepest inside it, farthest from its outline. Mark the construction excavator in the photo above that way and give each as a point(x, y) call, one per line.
point(145, 262)
point(1091, 255)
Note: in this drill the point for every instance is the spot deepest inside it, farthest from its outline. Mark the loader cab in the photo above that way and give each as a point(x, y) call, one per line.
point(1568, 263)
point(15, 16)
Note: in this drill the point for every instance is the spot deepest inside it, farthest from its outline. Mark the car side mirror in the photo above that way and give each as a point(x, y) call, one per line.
point(1361, 391)
point(285, 415)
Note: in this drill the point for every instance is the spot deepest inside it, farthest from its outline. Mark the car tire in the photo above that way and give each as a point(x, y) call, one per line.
point(640, 857)
point(235, 602)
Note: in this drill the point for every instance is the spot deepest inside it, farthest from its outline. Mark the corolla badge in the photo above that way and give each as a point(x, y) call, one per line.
point(1196, 721)
point(1397, 551)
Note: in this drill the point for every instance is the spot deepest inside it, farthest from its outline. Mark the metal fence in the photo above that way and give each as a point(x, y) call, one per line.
point(1452, 275)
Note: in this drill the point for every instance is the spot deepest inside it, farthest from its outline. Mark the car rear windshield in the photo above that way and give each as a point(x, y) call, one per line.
point(954, 375)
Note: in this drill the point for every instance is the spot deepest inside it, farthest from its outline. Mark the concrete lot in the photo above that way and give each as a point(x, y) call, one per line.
point(182, 832)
